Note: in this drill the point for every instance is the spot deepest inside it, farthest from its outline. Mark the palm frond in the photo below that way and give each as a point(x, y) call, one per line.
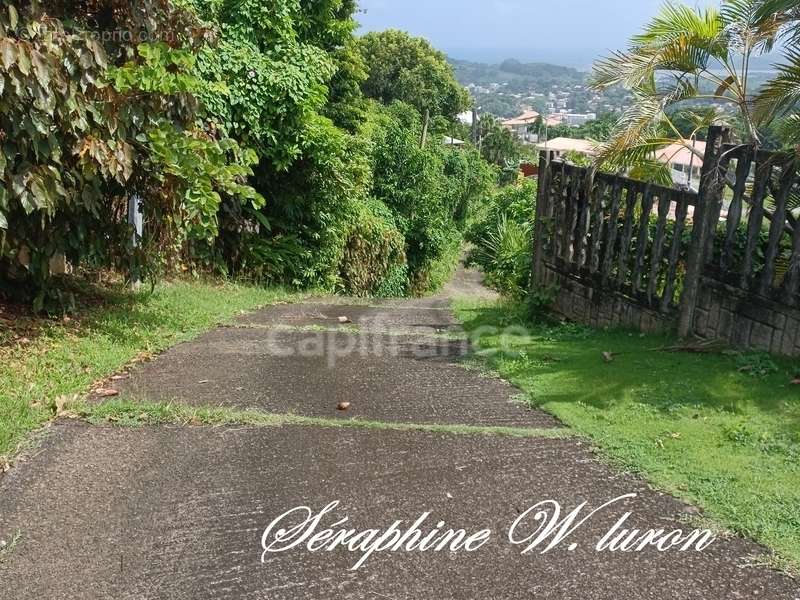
point(782, 13)
point(636, 158)
point(788, 131)
point(644, 117)
point(680, 21)
point(629, 69)
point(782, 93)
point(745, 22)
point(701, 118)
point(680, 39)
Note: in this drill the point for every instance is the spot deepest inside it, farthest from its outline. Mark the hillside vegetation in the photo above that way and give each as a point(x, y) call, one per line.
point(257, 135)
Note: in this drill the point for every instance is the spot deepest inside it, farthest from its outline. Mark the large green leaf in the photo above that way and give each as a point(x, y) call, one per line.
point(8, 52)
point(13, 16)
point(3, 207)
point(24, 61)
point(41, 67)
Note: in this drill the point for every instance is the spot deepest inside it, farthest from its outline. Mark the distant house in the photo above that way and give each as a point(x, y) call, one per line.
point(451, 141)
point(529, 170)
point(554, 120)
point(571, 119)
point(577, 119)
point(465, 117)
point(684, 164)
point(562, 145)
point(521, 126)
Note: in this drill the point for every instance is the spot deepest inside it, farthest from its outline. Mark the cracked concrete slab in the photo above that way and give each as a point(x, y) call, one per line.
point(178, 513)
point(406, 317)
point(386, 378)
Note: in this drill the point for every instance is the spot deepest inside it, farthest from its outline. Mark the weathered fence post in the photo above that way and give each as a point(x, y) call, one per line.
point(709, 202)
point(542, 200)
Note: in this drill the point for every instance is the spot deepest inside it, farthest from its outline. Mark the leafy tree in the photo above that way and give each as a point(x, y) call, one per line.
point(679, 55)
point(599, 130)
point(346, 104)
point(263, 77)
point(431, 190)
point(280, 78)
point(499, 146)
point(243, 126)
point(85, 122)
point(409, 69)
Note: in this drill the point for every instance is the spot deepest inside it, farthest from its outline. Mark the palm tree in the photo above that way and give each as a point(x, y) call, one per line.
point(688, 57)
point(780, 97)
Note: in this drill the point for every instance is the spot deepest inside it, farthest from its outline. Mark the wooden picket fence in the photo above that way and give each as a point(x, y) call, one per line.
point(657, 247)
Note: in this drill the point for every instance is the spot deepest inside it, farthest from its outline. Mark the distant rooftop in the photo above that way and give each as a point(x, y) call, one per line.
point(563, 144)
point(526, 118)
point(679, 154)
point(674, 154)
point(451, 141)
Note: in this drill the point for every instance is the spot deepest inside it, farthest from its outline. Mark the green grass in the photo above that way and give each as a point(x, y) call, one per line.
point(8, 546)
point(67, 359)
point(442, 269)
point(131, 413)
point(718, 429)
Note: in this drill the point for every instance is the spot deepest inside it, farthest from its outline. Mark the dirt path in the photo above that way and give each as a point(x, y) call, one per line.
point(178, 511)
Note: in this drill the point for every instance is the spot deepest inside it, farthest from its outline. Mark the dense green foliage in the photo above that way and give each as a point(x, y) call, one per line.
point(429, 189)
point(499, 145)
point(409, 69)
point(502, 236)
point(83, 125)
point(599, 130)
point(262, 137)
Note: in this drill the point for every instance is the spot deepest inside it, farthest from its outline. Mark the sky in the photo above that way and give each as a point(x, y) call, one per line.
point(567, 32)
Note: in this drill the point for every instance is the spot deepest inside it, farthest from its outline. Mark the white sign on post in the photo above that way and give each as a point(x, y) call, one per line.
point(135, 219)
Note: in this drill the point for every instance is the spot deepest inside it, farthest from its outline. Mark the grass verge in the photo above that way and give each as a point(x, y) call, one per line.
point(66, 359)
point(130, 413)
point(721, 430)
point(8, 546)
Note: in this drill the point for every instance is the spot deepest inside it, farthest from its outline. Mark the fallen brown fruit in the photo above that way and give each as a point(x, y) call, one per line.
point(343, 406)
point(106, 392)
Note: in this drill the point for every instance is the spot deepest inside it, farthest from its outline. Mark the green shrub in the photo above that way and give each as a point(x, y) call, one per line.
point(430, 190)
point(502, 239)
point(84, 124)
point(505, 254)
point(318, 199)
point(374, 249)
point(247, 136)
point(395, 284)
